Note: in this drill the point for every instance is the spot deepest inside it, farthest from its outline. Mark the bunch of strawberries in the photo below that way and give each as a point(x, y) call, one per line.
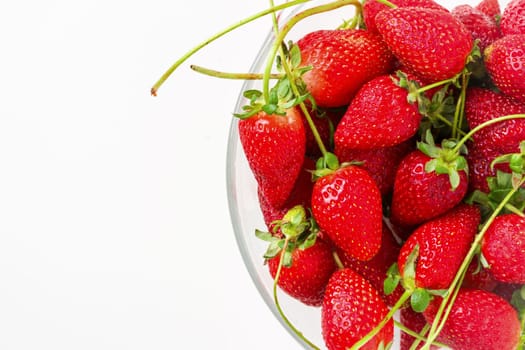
point(389, 155)
point(389, 158)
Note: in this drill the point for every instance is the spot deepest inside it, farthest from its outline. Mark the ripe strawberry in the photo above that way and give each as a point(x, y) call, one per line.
point(274, 146)
point(347, 207)
point(301, 195)
point(375, 270)
point(378, 116)
point(478, 277)
point(505, 62)
point(372, 7)
point(342, 60)
point(513, 18)
point(420, 195)
point(432, 43)
point(308, 275)
point(503, 247)
point(381, 163)
point(478, 320)
point(482, 105)
point(481, 26)
point(442, 245)
point(351, 309)
point(415, 321)
point(491, 8)
point(325, 122)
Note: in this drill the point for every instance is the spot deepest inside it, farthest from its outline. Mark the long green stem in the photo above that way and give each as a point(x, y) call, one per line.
point(448, 299)
point(223, 32)
point(278, 305)
point(289, 25)
point(415, 335)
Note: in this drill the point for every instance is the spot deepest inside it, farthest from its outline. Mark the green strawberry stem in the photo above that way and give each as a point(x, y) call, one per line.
point(387, 3)
point(416, 335)
point(338, 261)
point(401, 301)
point(290, 24)
point(278, 305)
point(232, 75)
point(450, 295)
point(223, 32)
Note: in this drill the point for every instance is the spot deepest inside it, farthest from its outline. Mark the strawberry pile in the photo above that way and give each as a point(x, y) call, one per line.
point(389, 156)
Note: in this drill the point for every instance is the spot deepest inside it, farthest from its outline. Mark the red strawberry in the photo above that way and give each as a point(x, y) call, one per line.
point(347, 207)
point(415, 321)
point(513, 18)
point(480, 25)
point(381, 163)
point(300, 195)
point(432, 43)
point(351, 309)
point(372, 7)
point(420, 195)
point(325, 122)
point(375, 270)
point(308, 275)
point(478, 320)
point(491, 8)
point(505, 62)
point(503, 247)
point(442, 245)
point(274, 146)
point(478, 277)
point(378, 116)
point(342, 61)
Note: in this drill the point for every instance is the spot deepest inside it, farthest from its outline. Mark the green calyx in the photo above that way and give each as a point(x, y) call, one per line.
point(446, 159)
point(296, 230)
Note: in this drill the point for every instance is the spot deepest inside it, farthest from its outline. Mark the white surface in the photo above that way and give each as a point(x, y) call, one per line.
point(114, 226)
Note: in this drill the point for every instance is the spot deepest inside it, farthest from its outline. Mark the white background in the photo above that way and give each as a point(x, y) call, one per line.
point(114, 224)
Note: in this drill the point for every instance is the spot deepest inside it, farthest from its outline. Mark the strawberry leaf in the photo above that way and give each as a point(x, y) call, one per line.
point(392, 280)
point(420, 299)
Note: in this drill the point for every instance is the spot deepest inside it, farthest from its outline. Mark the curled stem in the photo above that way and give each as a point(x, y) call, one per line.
point(232, 75)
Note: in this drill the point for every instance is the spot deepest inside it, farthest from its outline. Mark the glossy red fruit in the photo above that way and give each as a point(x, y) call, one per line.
point(307, 277)
point(378, 116)
point(372, 7)
point(503, 247)
point(491, 8)
point(513, 18)
point(442, 245)
point(481, 26)
point(375, 270)
point(419, 195)
point(415, 321)
point(352, 307)
point(274, 146)
point(381, 163)
point(432, 43)
point(342, 61)
point(505, 62)
point(478, 320)
point(347, 207)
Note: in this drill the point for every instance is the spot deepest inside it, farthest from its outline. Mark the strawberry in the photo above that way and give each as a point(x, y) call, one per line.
point(478, 277)
point(375, 270)
point(505, 62)
point(442, 244)
point(274, 146)
point(346, 204)
point(307, 276)
point(325, 121)
point(513, 18)
point(419, 194)
point(503, 247)
point(415, 321)
point(432, 43)
point(381, 163)
point(481, 26)
point(490, 8)
point(372, 7)
point(478, 320)
point(378, 116)
point(351, 308)
point(301, 195)
point(341, 61)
